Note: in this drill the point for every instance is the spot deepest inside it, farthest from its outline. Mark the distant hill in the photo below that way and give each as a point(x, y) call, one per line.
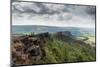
point(40, 29)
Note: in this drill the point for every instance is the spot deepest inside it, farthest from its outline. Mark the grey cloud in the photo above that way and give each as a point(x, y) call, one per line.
point(53, 11)
point(91, 10)
point(31, 9)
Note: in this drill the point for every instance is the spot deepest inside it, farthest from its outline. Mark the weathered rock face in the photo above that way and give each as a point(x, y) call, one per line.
point(65, 33)
point(26, 49)
point(64, 36)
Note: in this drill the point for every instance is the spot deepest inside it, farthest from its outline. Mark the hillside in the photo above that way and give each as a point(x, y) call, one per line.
point(47, 48)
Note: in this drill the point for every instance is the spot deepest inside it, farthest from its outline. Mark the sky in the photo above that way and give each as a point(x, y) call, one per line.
point(51, 14)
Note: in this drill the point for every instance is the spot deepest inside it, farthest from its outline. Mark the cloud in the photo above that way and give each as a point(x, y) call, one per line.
point(33, 13)
point(38, 8)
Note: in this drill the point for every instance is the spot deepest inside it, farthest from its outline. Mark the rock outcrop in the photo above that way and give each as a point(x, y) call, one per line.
point(27, 49)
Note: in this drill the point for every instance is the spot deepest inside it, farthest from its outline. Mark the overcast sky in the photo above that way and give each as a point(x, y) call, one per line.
point(61, 15)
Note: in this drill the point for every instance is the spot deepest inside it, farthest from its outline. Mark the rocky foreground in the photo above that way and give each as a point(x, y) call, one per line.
point(28, 49)
point(47, 48)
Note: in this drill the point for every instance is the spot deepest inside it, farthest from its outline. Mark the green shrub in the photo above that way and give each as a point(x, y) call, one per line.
point(59, 51)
